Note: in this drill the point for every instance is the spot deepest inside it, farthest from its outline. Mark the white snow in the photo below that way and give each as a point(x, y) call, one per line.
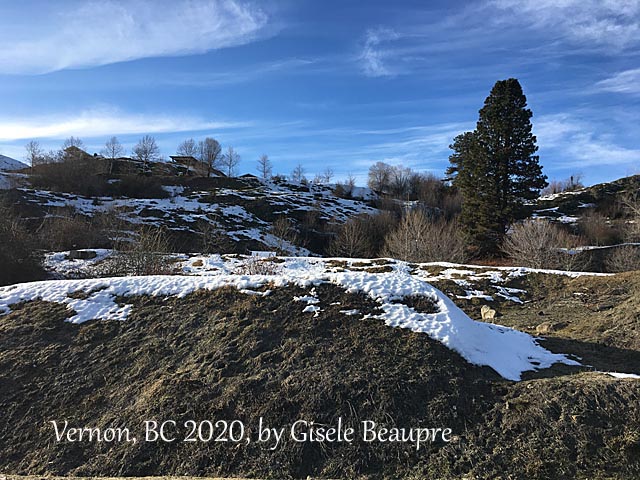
point(622, 375)
point(59, 262)
point(553, 196)
point(469, 294)
point(8, 163)
point(509, 352)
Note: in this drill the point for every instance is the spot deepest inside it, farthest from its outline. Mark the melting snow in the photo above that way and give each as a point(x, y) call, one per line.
point(622, 375)
point(509, 352)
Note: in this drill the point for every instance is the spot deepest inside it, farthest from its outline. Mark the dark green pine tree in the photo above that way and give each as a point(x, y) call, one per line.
point(495, 167)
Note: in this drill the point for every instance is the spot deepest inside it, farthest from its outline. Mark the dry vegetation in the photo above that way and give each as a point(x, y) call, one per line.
point(224, 354)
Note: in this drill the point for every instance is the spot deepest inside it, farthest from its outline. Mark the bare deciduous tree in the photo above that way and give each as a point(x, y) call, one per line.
point(73, 142)
point(230, 161)
point(146, 150)
point(265, 168)
point(210, 153)
point(297, 175)
point(631, 203)
point(213, 237)
point(35, 154)
point(625, 258)
point(148, 254)
point(112, 150)
point(379, 177)
point(188, 148)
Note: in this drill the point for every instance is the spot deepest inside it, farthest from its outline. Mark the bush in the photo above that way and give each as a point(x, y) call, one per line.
point(362, 236)
point(352, 240)
point(285, 235)
point(541, 244)
point(147, 255)
point(419, 238)
point(70, 232)
point(597, 230)
point(81, 177)
point(19, 260)
point(623, 259)
point(138, 186)
point(213, 238)
point(631, 206)
point(258, 266)
point(574, 182)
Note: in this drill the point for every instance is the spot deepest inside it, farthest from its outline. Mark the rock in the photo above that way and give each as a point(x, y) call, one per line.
point(487, 312)
point(81, 255)
point(549, 327)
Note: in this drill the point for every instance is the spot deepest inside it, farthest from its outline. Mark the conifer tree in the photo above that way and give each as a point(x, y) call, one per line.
point(495, 167)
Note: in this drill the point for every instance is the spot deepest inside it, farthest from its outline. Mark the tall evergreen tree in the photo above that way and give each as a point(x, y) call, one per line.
point(495, 167)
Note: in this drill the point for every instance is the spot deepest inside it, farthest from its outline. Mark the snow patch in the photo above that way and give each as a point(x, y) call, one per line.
point(509, 352)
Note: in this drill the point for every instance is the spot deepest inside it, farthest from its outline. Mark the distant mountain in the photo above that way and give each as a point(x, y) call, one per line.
point(8, 163)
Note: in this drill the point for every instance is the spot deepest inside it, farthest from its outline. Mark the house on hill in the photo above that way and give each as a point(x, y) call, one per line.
point(75, 153)
point(188, 165)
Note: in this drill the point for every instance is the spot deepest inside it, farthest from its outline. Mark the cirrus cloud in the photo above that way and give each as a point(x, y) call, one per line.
point(103, 121)
point(100, 32)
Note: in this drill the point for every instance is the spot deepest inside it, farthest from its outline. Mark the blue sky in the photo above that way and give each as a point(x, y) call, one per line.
point(327, 84)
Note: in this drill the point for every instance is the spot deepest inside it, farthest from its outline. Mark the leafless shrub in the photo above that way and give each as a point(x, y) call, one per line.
point(213, 237)
point(451, 204)
point(631, 205)
point(541, 244)
point(69, 231)
point(79, 176)
point(18, 256)
point(574, 182)
point(623, 259)
point(285, 235)
point(421, 239)
point(115, 229)
point(345, 189)
point(597, 230)
point(352, 240)
point(147, 255)
point(258, 266)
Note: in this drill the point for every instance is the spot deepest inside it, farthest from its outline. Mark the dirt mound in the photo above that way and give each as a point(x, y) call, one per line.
point(232, 356)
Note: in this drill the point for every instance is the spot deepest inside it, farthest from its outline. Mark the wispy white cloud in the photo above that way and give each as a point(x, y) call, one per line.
point(612, 24)
point(103, 121)
point(504, 34)
point(627, 81)
point(581, 144)
point(373, 55)
point(101, 32)
point(247, 74)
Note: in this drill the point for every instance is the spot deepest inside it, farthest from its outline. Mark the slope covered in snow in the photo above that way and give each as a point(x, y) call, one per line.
point(8, 163)
point(241, 209)
point(509, 352)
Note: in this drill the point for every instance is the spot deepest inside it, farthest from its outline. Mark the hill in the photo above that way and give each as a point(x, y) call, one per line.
point(322, 340)
point(239, 212)
point(8, 163)
point(568, 206)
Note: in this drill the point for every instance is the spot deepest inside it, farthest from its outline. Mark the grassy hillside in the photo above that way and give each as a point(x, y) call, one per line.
point(232, 354)
point(604, 198)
